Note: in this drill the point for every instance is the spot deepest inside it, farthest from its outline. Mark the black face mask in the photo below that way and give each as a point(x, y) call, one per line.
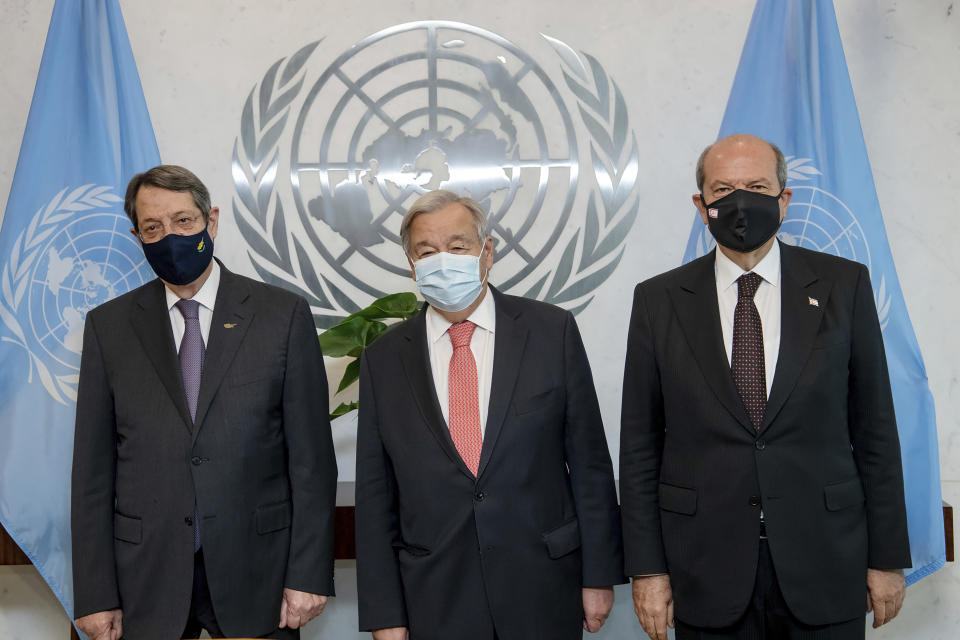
point(743, 220)
point(177, 259)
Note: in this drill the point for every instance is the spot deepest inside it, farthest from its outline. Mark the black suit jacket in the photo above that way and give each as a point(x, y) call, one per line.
point(824, 466)
point(453, 556)
point(259, 462)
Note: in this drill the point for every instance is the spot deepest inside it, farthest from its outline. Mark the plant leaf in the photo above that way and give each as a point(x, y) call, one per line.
point(350, 375)
point(372, 331)
point(396, 305)
point(340, 339)
point(343, 409)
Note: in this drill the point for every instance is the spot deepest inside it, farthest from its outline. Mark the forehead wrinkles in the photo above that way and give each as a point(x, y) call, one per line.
point(435, 226)
point(742, 161)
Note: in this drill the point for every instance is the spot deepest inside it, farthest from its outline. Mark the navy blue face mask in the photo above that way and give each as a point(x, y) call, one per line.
point(177, 259)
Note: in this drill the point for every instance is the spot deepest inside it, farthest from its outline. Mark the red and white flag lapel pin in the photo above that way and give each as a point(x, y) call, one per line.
point(813, 302)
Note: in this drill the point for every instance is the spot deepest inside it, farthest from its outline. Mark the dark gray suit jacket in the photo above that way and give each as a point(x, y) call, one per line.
point(259, 461)
point(824, 466)
point(453, 556)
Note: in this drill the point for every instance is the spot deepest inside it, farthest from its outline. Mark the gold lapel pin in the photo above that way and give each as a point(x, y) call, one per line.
point(813, 302)
point(231, 325)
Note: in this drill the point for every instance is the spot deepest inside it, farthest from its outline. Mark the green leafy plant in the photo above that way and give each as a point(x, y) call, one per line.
point(357, 331)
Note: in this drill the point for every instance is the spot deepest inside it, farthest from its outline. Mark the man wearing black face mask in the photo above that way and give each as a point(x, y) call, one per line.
point(204, 474)
point(761, 485)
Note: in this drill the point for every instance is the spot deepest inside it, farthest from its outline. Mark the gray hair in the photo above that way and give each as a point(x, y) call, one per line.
point(781, 166)
point(436, 200)
point(172, 178)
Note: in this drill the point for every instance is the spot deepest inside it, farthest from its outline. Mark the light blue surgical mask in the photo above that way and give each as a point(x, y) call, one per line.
point(449, 281)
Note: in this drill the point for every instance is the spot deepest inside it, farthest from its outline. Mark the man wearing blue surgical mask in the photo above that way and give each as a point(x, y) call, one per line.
point(204, 475)
point(486, 505)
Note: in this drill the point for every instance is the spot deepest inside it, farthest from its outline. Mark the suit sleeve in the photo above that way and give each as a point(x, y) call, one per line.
point(873, 433)
point(641, 447)
point(591, 472)
point(380, 596)
point(92, 484)
point(312, 464)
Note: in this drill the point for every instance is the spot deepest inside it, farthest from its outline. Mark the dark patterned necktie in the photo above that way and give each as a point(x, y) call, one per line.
point(191, 369)
point(749, 373)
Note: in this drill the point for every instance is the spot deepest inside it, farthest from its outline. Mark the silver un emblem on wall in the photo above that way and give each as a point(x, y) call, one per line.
point(325, 166)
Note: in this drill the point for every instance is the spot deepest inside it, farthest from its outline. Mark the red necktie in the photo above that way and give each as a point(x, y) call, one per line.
point(464, 416)
point(747, 364)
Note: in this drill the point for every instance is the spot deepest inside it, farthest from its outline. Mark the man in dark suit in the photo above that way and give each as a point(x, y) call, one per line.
point(760, 475)
point(204, 475)
point(486, 505)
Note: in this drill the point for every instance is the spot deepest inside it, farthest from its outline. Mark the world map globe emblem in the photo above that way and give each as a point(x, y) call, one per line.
point(430, 105)
point(89, 260)
point(818, 220)
point(330, 157)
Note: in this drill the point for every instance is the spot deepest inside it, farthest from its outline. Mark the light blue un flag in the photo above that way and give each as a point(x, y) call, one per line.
point(65, 248)
point(792, 88)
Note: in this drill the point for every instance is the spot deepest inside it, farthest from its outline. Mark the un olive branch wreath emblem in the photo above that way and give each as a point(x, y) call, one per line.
point(255, 164)
point(587, 260)
point(15, 277)
point(615, 161)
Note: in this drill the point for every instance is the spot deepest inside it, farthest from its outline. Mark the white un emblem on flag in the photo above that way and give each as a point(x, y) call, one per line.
point(75, 254)
point(819, 220)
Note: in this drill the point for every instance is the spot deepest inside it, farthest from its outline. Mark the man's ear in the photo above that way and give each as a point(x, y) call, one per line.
point(701, 207)
point(136, 235)
point(785, 202)
point(213, 220)
point(413, 272)
point(488, 253)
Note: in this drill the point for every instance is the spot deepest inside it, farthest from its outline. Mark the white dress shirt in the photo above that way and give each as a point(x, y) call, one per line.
point(207, 296)
point(481, 344)
point(767, 300)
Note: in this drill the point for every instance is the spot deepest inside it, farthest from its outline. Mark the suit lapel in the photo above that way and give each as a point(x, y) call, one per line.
point(799, 323)
point(152, 326)
point(510, 336)
point(232, 316)
point(419, 374)
point(695, 302)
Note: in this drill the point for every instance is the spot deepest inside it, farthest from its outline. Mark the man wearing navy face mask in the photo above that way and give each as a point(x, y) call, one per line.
point(485, 499)
point(760, 476)
point(204, 474)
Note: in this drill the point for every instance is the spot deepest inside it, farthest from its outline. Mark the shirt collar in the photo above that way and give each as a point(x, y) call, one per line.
point(483, 316)
point(207, 296)
point(728, 271)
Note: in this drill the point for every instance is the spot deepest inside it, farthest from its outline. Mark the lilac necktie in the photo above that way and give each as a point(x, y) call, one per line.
point(191, 368)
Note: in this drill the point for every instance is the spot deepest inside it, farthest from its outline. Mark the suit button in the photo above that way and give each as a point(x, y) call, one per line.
point(479, 497)
point(196, 460)
point(760, 445)
point(189, 521)
point(754, 501)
